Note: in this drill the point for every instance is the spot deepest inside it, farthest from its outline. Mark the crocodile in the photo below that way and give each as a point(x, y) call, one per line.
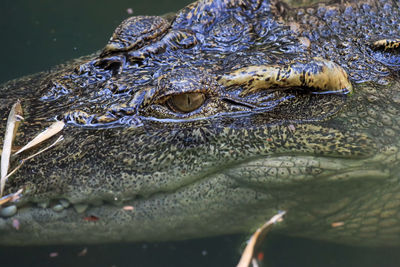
point(211, 120)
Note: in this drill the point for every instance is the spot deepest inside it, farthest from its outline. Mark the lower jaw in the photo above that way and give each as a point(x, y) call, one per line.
point(59, 221)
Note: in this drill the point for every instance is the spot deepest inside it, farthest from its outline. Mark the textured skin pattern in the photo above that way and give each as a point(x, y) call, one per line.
point(321, 75)
point(230, 164)
point(134, 32)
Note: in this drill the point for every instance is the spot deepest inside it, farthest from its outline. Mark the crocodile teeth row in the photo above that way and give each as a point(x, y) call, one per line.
point(63, 204)
point(57, 207)
point(80, 208)
point(8, 211)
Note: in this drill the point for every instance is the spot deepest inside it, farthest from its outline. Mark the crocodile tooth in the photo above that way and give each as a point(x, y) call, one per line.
point(8, 211)
point(43, 205)
point(80, 208)
point(58, 207)
point(65, 203)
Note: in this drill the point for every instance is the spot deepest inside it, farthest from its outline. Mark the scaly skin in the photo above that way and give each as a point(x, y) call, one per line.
point(154, 123)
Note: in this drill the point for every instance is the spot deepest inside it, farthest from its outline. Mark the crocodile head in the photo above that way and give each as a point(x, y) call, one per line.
point(211, 120)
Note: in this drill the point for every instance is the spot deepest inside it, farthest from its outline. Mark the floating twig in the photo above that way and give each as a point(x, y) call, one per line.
point(256, 239)
point(60, 138)
point(11, 197)
point(11, 129)
point(55, 128)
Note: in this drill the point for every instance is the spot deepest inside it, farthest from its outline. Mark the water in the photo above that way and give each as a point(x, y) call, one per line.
point(39, 34)
point(221, 251)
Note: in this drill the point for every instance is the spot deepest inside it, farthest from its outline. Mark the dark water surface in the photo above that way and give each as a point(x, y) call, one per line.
point(39, 34)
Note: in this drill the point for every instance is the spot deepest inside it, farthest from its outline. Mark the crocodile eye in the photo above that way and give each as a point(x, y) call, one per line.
point(187, 102)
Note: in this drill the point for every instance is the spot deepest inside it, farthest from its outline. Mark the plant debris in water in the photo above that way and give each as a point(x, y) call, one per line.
point(11, 129)
point(60, 138)
point(55, 128)
point(13, 121)
point(248, 256)
point(11, 197)
point(83, 252)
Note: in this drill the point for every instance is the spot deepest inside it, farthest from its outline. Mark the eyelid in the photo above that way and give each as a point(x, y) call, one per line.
point(162, 98)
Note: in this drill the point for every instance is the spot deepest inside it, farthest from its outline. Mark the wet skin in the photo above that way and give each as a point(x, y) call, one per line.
point(210, 121)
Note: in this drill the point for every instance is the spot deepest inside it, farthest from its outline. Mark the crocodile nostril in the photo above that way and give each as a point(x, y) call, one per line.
point(113, 64)
point(114, 67)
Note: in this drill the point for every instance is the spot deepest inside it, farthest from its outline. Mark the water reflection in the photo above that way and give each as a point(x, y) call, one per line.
point(220, 251)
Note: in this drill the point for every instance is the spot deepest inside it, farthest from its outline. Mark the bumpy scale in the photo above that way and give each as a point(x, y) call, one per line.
point(209, 121)
point(319, 74)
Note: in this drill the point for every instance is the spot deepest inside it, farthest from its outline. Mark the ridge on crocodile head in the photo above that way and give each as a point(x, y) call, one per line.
point(211, 120)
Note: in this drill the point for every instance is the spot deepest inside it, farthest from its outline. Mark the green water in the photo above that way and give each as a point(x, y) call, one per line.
point(39, 34)
point(220, 251)
point(42, 33)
